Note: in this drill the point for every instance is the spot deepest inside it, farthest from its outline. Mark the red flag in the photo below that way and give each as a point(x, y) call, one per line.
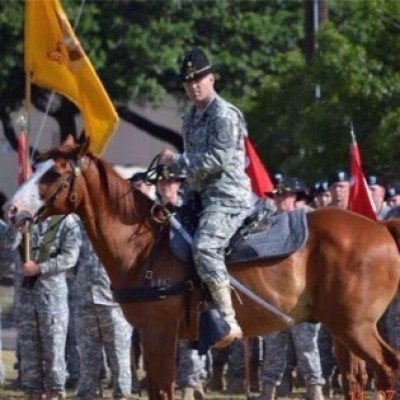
point(360, 200)
point(22, 153)
point(260, 181)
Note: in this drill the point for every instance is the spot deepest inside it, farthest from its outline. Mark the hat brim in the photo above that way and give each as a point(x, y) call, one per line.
point(195, 75)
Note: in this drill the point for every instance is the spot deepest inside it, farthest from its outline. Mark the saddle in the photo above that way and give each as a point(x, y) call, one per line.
point(262, 236)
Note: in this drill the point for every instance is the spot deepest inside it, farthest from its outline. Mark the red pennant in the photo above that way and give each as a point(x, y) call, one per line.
point(22, 153)
point(360, 200)
point(260, 181)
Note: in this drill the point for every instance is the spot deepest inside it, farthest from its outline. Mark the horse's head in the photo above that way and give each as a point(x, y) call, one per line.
point(53, 188)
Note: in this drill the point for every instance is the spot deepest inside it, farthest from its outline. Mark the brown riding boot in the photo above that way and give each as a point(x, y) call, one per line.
point(221, 294)
point(314, 392)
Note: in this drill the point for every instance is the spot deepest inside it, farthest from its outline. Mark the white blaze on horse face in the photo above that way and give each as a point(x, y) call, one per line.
point(27, 197)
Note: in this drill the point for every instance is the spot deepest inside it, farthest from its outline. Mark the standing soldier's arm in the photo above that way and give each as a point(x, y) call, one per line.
point(9, 242)
point(67, 253)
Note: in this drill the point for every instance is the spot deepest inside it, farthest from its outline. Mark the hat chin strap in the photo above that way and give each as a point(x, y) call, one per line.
point(191, 74)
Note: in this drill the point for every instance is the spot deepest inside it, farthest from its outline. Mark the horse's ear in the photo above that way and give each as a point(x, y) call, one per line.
point(69, 141)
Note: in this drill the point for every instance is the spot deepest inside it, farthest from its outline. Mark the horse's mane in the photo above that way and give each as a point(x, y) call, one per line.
point(122, 198)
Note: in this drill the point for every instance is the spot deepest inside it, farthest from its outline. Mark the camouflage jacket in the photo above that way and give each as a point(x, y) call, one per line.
point(9, 254)
point(63, 254)
point(214, 155)
point(92, 284)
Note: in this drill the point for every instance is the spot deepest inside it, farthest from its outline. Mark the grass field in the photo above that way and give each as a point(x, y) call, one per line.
point(9, 393)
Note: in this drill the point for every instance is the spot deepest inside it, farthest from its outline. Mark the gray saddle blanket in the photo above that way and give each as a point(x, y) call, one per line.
point(282, 235)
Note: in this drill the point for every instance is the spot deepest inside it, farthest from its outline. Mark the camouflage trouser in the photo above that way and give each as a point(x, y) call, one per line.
point(42, 336)
point(212, 236)
point(98, 326)
point(326, 353)
point(191, 368)
point(2, 368)
point(305, 344)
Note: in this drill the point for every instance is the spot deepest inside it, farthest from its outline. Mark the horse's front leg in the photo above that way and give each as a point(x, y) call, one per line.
point(159, 341)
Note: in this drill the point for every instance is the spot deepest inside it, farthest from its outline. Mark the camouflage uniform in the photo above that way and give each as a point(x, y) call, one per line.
point(328, 358)
point(191, 368)
point(71, 351)
point(9, 260)
point(99, 322)
point(383, 212)
point(304, 338)
point(214, 160)
point(43, 314)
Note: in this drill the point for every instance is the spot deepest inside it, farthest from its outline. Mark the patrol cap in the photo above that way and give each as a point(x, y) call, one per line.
point(277, 178)
point(392, 191)
point(374, 179)
point(320, 187)
point(338, 176)
point(195, 65)
point(285, 186)
point(165, 173)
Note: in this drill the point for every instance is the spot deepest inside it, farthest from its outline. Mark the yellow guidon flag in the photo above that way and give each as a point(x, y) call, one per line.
point(56, 61)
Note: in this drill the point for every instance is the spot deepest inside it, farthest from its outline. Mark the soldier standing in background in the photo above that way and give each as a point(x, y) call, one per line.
point(191, 367)
point(377, 188)
point(10, 260)
point(43, 310)
point(99, 322)
point(304, 335)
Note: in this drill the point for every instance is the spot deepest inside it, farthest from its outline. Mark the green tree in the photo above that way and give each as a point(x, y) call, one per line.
point(356, 66)
point(135, 46)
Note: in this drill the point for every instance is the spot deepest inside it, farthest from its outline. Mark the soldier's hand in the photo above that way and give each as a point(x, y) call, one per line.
point(30, 268)
point(166, 157)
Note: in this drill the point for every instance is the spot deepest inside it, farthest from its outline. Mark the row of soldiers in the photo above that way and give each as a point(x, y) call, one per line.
point(306, 349)
point(66, 290)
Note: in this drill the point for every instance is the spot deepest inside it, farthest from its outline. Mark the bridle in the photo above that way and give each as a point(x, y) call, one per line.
point(68, 182)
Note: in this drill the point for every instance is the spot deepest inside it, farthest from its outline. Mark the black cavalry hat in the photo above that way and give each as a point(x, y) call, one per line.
point(195, 65)
point(338, 176)
point(374, 179)
point(392, 191)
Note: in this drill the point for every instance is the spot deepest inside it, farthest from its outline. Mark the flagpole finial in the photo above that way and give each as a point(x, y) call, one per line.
point(21, 121)
point(353, 136)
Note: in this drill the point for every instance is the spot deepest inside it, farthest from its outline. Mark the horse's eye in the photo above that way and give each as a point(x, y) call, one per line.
point(52, 175)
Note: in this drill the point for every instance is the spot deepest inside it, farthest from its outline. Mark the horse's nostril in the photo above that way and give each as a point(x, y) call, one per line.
point(13, 210)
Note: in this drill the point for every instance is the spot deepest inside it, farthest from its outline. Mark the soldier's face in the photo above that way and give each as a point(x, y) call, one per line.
point(200, 90)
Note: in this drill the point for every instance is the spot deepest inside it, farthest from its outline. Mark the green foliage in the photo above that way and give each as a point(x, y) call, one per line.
point(136, 47)
point(356, 66)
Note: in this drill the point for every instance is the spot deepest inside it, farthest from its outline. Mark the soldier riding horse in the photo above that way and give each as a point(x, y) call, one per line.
point(344, 275)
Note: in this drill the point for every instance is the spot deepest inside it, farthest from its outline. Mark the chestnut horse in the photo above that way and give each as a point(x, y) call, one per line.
point(345, 275)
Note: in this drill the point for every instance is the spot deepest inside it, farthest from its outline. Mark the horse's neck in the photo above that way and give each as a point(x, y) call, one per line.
point(120, 239)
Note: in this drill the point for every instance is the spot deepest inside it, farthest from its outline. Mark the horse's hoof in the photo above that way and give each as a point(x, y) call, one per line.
point(234, 333)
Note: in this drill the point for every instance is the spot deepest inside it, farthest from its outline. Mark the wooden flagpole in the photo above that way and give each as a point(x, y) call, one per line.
point(24, 126)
